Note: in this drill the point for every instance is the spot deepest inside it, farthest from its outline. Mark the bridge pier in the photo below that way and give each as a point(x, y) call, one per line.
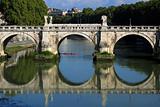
point(49, 42)
point(157, 46)
point(107, 40)
point(2, 53)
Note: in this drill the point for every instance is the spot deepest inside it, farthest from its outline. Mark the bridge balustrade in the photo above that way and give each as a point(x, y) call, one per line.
point(21, 28)
point(73, 27)
point(79, 28)
point(130, 28)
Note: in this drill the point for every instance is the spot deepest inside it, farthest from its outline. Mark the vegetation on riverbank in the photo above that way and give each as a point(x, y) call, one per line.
point(45, 56)
point(100, 56)
point(16, 48)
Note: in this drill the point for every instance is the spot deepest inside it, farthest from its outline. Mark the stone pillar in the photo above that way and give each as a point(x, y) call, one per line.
point(107, 41)
point(46, 20)
point(45, 41)
point(2, 51)
point(54, 43)
point(104, 46)
point(49, 42)
point(2, 66)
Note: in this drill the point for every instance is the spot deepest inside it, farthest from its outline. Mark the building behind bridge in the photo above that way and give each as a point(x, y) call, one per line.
point(59, 12)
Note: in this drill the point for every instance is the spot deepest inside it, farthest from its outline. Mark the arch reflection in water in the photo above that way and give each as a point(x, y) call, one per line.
point(76, 68)
point(133, 71)
point(20, 69)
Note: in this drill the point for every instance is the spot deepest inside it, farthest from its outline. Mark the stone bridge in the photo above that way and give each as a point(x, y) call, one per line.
point(104, 37)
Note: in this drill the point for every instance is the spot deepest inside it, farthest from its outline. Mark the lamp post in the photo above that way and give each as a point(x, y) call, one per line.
point(130, 22)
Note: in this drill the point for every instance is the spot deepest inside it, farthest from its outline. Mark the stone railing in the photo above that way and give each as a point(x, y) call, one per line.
point(73, 27)
point(21, 28)
point(79, 28)
point(54, 27)
point(130, 28)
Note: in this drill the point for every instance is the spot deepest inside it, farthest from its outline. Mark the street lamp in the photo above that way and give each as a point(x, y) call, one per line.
point(130, 22)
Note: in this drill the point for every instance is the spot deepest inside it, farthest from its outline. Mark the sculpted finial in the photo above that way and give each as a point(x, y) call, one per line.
point(50, 21)
point(104, 20)
point(46, 20)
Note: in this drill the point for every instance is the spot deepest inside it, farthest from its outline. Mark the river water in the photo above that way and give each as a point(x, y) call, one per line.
point(76, 81)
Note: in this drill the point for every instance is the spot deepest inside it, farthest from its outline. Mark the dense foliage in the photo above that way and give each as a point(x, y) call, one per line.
point(24, 12)
point(31, 12)
point(140, 13)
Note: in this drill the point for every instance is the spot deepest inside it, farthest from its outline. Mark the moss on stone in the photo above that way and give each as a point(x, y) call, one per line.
point(100, 56)
point(45, 56)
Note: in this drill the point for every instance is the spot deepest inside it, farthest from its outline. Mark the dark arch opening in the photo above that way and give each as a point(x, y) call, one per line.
point(18, 42)
point(67, 45)
point(133, 46)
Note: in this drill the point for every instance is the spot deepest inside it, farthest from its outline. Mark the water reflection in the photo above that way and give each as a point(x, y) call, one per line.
point(48, 88)
point(133, 100)
point(20, 71)
point(76, 64)
point(21, 68)
point(76, 70)
point(124, 71)
point(77, 81)
point(133, 71)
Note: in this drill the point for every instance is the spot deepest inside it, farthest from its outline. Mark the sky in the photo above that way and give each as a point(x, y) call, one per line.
point(68, 4)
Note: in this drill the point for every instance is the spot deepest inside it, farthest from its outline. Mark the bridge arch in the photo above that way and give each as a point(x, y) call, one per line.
point(7, 37)
point(74, 33)
point(141, 35)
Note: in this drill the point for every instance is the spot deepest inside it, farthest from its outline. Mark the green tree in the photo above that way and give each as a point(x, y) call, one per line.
point(87, 15)
point(88, 11)
point(24, 12)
